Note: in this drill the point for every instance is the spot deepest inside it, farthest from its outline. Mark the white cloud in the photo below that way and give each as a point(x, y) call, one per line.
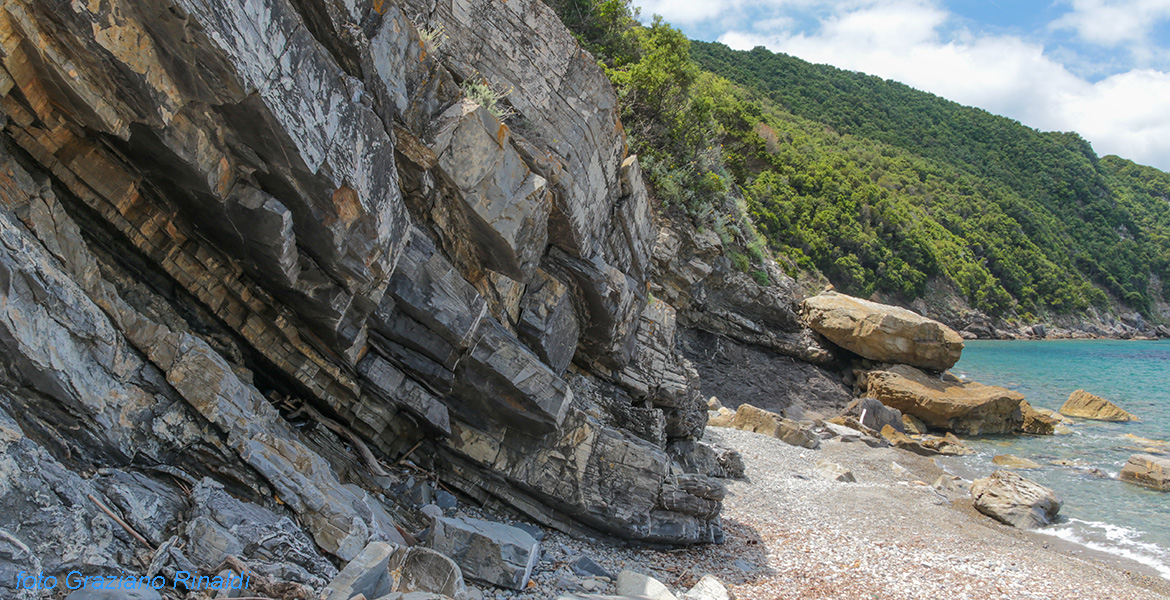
point(913, 41)
point(1114, 22)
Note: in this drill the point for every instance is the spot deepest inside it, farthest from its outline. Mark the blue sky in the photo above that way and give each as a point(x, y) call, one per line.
point(1097, 67)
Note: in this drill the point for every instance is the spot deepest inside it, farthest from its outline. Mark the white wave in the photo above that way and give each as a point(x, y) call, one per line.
point(1119, 541)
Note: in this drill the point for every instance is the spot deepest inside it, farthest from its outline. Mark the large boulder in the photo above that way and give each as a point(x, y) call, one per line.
point(1148, 470)
point(947, 403)
point(495, 553)
point(758, 420)
point(1083, 405)
point(883, 333)
point(1019, 502)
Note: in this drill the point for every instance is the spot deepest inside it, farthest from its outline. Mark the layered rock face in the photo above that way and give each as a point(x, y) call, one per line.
point(209, 204)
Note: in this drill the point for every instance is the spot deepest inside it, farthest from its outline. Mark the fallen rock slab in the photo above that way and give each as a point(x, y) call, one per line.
point(947, 403)
point(758, 420)
point(883, 333)
point(900, 440)
point(367, 574)
point(1009, 498)
point(1083, 405)
point(1147, 470)
point(494, 553)
point(948, 445)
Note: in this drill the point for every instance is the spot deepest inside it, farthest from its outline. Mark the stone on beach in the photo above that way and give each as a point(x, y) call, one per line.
point(1147, 470)
point(947, 403)
point(630, 583)
point(834, 472)
point(902, 441)
point(708, 588)
point(1083, 405)
point(875, 415)
point(1011, 499)
point(495, 553)
point(758, 420)
point(883, 333)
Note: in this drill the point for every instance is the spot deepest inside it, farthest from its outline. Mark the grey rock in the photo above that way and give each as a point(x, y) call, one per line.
point(425, 570)
point(367, 574)
point(506, 204)
point(490, 552)
point(875, 415)
point(1014, 500)
point(445, 500)
point(584, 566)
point(548, 322)
point(220, 526)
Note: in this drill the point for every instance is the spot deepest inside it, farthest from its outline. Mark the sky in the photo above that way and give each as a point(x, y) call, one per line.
point(1097, 67)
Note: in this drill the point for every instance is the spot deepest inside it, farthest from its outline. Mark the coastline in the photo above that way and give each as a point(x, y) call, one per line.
point(791, 533)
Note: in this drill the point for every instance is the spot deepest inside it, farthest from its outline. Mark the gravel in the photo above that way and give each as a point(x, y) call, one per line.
point(793, 534)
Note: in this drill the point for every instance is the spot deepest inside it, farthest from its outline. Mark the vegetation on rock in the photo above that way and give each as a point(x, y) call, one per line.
point(880, 187)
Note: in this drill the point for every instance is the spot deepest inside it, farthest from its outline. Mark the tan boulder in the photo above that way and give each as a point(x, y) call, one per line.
point(913, 425)
point(1009, 461)
point(883, 333)
point(758, 420)
point(1019, 502)
point(1148, 470)
point(900, 440)
point(947, 403)
point(1083, 405)
point(948, 445)
point(1035, 421)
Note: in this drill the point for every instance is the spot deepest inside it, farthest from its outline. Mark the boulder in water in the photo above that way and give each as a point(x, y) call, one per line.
point(1148, 470)
point(1083, 405)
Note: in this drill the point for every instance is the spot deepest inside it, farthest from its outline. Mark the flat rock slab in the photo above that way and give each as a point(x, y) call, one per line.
point(1011, 499)
point(1083, 405)
point(1148, 470)
point(883, 333)
point(495, 553)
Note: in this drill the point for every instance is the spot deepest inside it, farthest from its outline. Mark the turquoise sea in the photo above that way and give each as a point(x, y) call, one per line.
point(1099, 512)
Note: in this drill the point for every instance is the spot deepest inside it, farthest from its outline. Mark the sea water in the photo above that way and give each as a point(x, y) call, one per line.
point(1100, 512)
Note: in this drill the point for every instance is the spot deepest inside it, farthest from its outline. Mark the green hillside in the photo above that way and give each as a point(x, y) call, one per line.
point(878, 186)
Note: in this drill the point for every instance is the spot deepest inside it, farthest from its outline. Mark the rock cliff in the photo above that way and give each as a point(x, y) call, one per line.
point(219, 216)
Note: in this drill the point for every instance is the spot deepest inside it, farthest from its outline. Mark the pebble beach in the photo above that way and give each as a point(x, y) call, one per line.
point(793, 533)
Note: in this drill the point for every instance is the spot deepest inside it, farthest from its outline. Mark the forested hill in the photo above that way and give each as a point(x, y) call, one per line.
point(1100, 220)
point(883, 189)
